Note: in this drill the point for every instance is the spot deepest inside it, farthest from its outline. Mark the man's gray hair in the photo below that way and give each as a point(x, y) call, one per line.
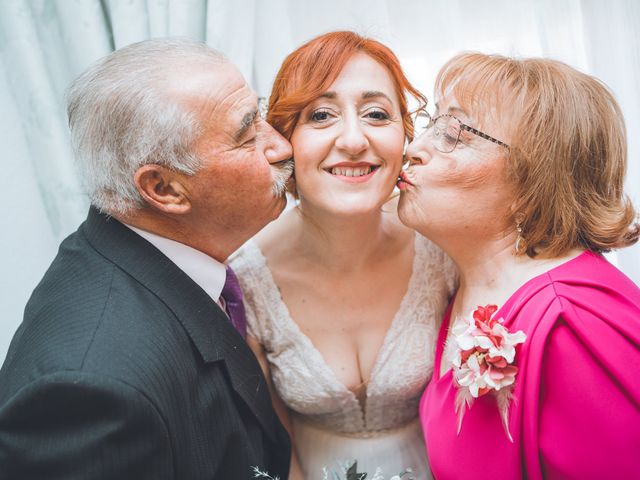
point(121, 117)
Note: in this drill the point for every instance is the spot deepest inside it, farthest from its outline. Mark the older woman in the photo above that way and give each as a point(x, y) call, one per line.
point(519, 178)
point(344, 301)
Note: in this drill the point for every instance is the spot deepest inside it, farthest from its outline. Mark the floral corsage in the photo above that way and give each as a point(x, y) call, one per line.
point(483, 357)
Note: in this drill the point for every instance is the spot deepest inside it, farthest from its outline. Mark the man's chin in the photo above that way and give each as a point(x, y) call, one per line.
point(275, 207)
point(271, 211)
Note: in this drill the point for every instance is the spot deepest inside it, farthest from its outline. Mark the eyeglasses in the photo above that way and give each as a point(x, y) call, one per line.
point(446, 130)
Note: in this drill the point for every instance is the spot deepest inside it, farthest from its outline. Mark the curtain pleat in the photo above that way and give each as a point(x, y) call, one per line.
point(230, 28)
point(86, 32)
point(42, 118)
point(187, 18)
point(130, 22)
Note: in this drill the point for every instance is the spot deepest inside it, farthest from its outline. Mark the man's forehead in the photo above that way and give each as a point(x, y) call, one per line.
point(208, 81)
point(216, 92)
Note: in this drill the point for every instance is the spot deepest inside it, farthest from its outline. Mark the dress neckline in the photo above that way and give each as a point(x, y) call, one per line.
point(283, 312)
point(446, 320)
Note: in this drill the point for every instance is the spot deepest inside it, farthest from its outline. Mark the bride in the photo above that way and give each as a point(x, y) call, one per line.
point(343, 301)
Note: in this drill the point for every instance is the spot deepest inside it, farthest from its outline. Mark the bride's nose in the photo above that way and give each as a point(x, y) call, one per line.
point(352, 139)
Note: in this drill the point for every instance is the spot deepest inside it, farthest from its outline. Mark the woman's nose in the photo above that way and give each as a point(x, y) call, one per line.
point(417, 151)
point(352, 139)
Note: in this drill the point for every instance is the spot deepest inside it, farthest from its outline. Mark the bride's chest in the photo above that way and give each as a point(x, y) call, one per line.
point(348, 338)
point(345, 321)
point(326, 381)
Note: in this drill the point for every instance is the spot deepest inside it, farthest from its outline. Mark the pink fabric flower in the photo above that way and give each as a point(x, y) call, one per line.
point(483, 360)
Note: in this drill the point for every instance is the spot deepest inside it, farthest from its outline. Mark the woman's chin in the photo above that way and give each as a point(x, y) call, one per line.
point(355, 207)
point(407, 213)
point(342, 203)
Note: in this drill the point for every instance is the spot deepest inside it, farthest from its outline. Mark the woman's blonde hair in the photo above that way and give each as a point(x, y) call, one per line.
point(568, 150)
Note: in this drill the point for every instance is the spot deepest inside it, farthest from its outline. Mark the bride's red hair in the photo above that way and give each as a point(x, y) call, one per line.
point(309, 71)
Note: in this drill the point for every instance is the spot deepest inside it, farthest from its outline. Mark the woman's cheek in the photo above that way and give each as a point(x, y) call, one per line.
point(465, 175)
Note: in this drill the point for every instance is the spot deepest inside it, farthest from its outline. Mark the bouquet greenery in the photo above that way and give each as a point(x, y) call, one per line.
point(347, 471)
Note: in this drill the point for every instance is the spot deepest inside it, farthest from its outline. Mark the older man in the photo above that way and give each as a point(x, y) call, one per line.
point(130, 361)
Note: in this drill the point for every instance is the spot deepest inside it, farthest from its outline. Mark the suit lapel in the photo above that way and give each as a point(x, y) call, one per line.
point(210, 330)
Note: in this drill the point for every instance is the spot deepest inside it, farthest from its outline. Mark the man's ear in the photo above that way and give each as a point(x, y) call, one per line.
point(162, 189)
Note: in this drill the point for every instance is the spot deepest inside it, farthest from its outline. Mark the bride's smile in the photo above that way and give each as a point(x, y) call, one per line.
point(356, 172)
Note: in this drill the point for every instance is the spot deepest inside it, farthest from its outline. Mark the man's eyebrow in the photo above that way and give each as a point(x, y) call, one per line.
point(374, 94)
point(247, 121)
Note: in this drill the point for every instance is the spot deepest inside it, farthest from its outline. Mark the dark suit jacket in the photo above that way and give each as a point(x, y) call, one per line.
point(125, 368)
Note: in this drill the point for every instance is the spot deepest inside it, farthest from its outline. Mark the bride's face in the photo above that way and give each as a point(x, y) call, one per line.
point(348, 142)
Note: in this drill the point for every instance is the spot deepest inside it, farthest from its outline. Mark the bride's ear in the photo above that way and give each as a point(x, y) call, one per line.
point(163, 189)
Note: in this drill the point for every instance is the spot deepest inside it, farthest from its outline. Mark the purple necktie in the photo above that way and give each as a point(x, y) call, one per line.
point(232, 294)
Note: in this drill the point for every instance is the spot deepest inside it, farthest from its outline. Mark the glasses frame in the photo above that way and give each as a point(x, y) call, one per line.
point(463, 126)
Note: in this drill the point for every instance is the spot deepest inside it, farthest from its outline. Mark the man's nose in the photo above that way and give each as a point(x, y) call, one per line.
point(276, 148)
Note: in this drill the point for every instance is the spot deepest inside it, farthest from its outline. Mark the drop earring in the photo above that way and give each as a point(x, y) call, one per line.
point(521, 243)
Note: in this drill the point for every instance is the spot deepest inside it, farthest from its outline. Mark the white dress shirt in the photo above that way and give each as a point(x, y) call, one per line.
point(207, 272)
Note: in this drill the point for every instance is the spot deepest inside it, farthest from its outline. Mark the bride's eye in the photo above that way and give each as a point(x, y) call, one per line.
point(377, 114)
point(320, 115)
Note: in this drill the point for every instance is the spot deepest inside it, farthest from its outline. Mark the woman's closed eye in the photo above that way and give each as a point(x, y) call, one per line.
point(450, 137)
point(451, 133)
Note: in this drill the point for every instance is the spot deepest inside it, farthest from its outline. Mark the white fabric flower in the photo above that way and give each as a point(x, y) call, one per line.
point(509, 341)
point(470, 376)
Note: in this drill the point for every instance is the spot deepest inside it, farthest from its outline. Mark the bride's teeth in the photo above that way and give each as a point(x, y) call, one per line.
point(351, 171)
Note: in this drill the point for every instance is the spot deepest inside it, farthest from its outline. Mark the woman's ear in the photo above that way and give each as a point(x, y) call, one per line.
point(162, 189)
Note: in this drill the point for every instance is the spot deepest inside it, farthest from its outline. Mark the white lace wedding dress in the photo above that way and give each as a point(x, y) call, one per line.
point(330, 425)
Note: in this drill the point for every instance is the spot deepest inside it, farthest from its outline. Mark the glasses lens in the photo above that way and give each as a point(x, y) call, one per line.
point(446, 132)
point(420, 123)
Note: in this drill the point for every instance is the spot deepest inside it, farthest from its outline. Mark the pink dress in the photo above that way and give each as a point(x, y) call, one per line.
point(576, 407)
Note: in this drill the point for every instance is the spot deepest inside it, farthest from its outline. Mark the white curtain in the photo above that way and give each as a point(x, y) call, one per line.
point(44, 44)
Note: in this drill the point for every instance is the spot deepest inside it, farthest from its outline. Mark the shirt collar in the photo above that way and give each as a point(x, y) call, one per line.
point(206, 271)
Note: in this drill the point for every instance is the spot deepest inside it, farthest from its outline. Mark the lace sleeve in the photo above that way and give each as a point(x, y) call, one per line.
point(450, 274)
point(253, 329)
point(247, 267)
point(441, 264)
